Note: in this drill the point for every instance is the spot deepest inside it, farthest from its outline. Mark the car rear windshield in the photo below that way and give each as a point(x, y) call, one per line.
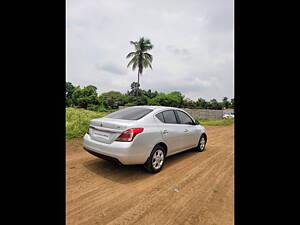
point(130, 113)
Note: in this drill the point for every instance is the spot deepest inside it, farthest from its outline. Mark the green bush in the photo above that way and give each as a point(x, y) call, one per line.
point(77, 121)
point(92, 107)
point(140, 100)
point(111, 99)
point(173, 99)
point(101, 108)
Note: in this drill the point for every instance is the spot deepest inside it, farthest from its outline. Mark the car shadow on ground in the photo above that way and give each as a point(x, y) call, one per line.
point(125, 174)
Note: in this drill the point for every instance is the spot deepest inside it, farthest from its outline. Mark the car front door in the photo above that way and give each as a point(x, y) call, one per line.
point(190, 135)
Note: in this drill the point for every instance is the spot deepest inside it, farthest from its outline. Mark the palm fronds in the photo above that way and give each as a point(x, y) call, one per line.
point(140, 58)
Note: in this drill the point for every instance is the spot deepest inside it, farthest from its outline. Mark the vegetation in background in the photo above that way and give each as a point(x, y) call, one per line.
point(78, 120)
point(208, 122)
point(87, 98)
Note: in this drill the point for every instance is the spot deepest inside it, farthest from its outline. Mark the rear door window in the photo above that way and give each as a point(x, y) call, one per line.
point(169, 116)
point(130, 113)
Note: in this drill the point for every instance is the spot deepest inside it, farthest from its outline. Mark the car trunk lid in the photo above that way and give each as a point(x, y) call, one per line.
point(107, 130)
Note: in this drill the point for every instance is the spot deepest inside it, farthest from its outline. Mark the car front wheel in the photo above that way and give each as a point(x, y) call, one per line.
point(201, 144)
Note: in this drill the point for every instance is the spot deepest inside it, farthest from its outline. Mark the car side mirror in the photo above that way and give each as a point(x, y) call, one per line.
point(196, 122)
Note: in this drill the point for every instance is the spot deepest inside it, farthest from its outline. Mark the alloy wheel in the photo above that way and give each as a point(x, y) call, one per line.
point(157, 159)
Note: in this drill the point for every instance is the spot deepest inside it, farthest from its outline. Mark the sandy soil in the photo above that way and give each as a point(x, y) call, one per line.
point(192, 188)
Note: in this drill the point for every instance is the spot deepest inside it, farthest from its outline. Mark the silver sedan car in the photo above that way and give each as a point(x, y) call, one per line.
point(144, 135)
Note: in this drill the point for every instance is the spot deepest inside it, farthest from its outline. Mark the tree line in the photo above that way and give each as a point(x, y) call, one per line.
point(88, 98)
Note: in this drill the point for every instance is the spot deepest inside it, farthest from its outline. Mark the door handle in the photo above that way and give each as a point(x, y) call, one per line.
point(186, 130)
point(165, 132)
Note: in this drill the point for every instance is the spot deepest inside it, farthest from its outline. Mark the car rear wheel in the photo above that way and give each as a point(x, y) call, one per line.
point(156, 160)
point(201, 144)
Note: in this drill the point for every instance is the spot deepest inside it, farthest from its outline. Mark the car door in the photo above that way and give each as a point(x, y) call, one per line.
point(169, 130)
point(187, 127)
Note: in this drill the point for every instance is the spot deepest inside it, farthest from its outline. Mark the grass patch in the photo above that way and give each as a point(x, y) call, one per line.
point(78, 120)
point(223, 122)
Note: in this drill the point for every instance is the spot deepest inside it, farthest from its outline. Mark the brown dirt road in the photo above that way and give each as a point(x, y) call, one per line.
point(99, 192)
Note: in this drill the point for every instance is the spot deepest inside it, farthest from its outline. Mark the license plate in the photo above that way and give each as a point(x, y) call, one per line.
point(100, 134)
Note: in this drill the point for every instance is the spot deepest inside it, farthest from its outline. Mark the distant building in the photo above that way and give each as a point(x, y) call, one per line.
point(229, 111)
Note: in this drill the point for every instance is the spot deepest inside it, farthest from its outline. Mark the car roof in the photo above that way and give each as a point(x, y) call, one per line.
point(156, 107)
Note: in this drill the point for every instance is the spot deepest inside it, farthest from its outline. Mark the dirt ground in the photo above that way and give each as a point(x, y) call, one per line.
point(192, 188)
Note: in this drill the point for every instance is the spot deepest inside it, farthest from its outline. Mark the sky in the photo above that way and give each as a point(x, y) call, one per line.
point(193, 45)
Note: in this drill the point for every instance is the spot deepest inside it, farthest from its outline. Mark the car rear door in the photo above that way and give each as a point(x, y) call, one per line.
point(169, 130)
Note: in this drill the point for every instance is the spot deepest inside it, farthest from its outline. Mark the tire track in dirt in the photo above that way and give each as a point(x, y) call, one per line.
point(161, 198)
point(101, 193)
point(143, 192)
point(207, 192)
point(187, 195)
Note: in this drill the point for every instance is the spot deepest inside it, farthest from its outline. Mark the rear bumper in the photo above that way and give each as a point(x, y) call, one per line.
point(108, 158)
point(125, 153)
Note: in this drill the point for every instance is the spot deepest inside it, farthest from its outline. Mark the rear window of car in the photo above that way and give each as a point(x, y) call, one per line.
point(130, 113)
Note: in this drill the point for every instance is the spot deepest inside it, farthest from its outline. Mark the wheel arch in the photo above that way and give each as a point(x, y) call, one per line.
point(164, 145)
point(205, 136)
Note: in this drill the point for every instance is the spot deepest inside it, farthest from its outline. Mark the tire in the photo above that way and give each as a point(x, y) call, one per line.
point(201, 144)
point(156, 159)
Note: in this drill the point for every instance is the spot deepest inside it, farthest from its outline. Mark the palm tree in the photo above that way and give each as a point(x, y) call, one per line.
point(140, 58)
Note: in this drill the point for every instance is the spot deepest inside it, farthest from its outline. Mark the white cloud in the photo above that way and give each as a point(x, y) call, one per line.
point(193, 45)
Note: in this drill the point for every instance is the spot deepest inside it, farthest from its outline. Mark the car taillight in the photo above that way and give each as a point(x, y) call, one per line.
point(129, 134)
